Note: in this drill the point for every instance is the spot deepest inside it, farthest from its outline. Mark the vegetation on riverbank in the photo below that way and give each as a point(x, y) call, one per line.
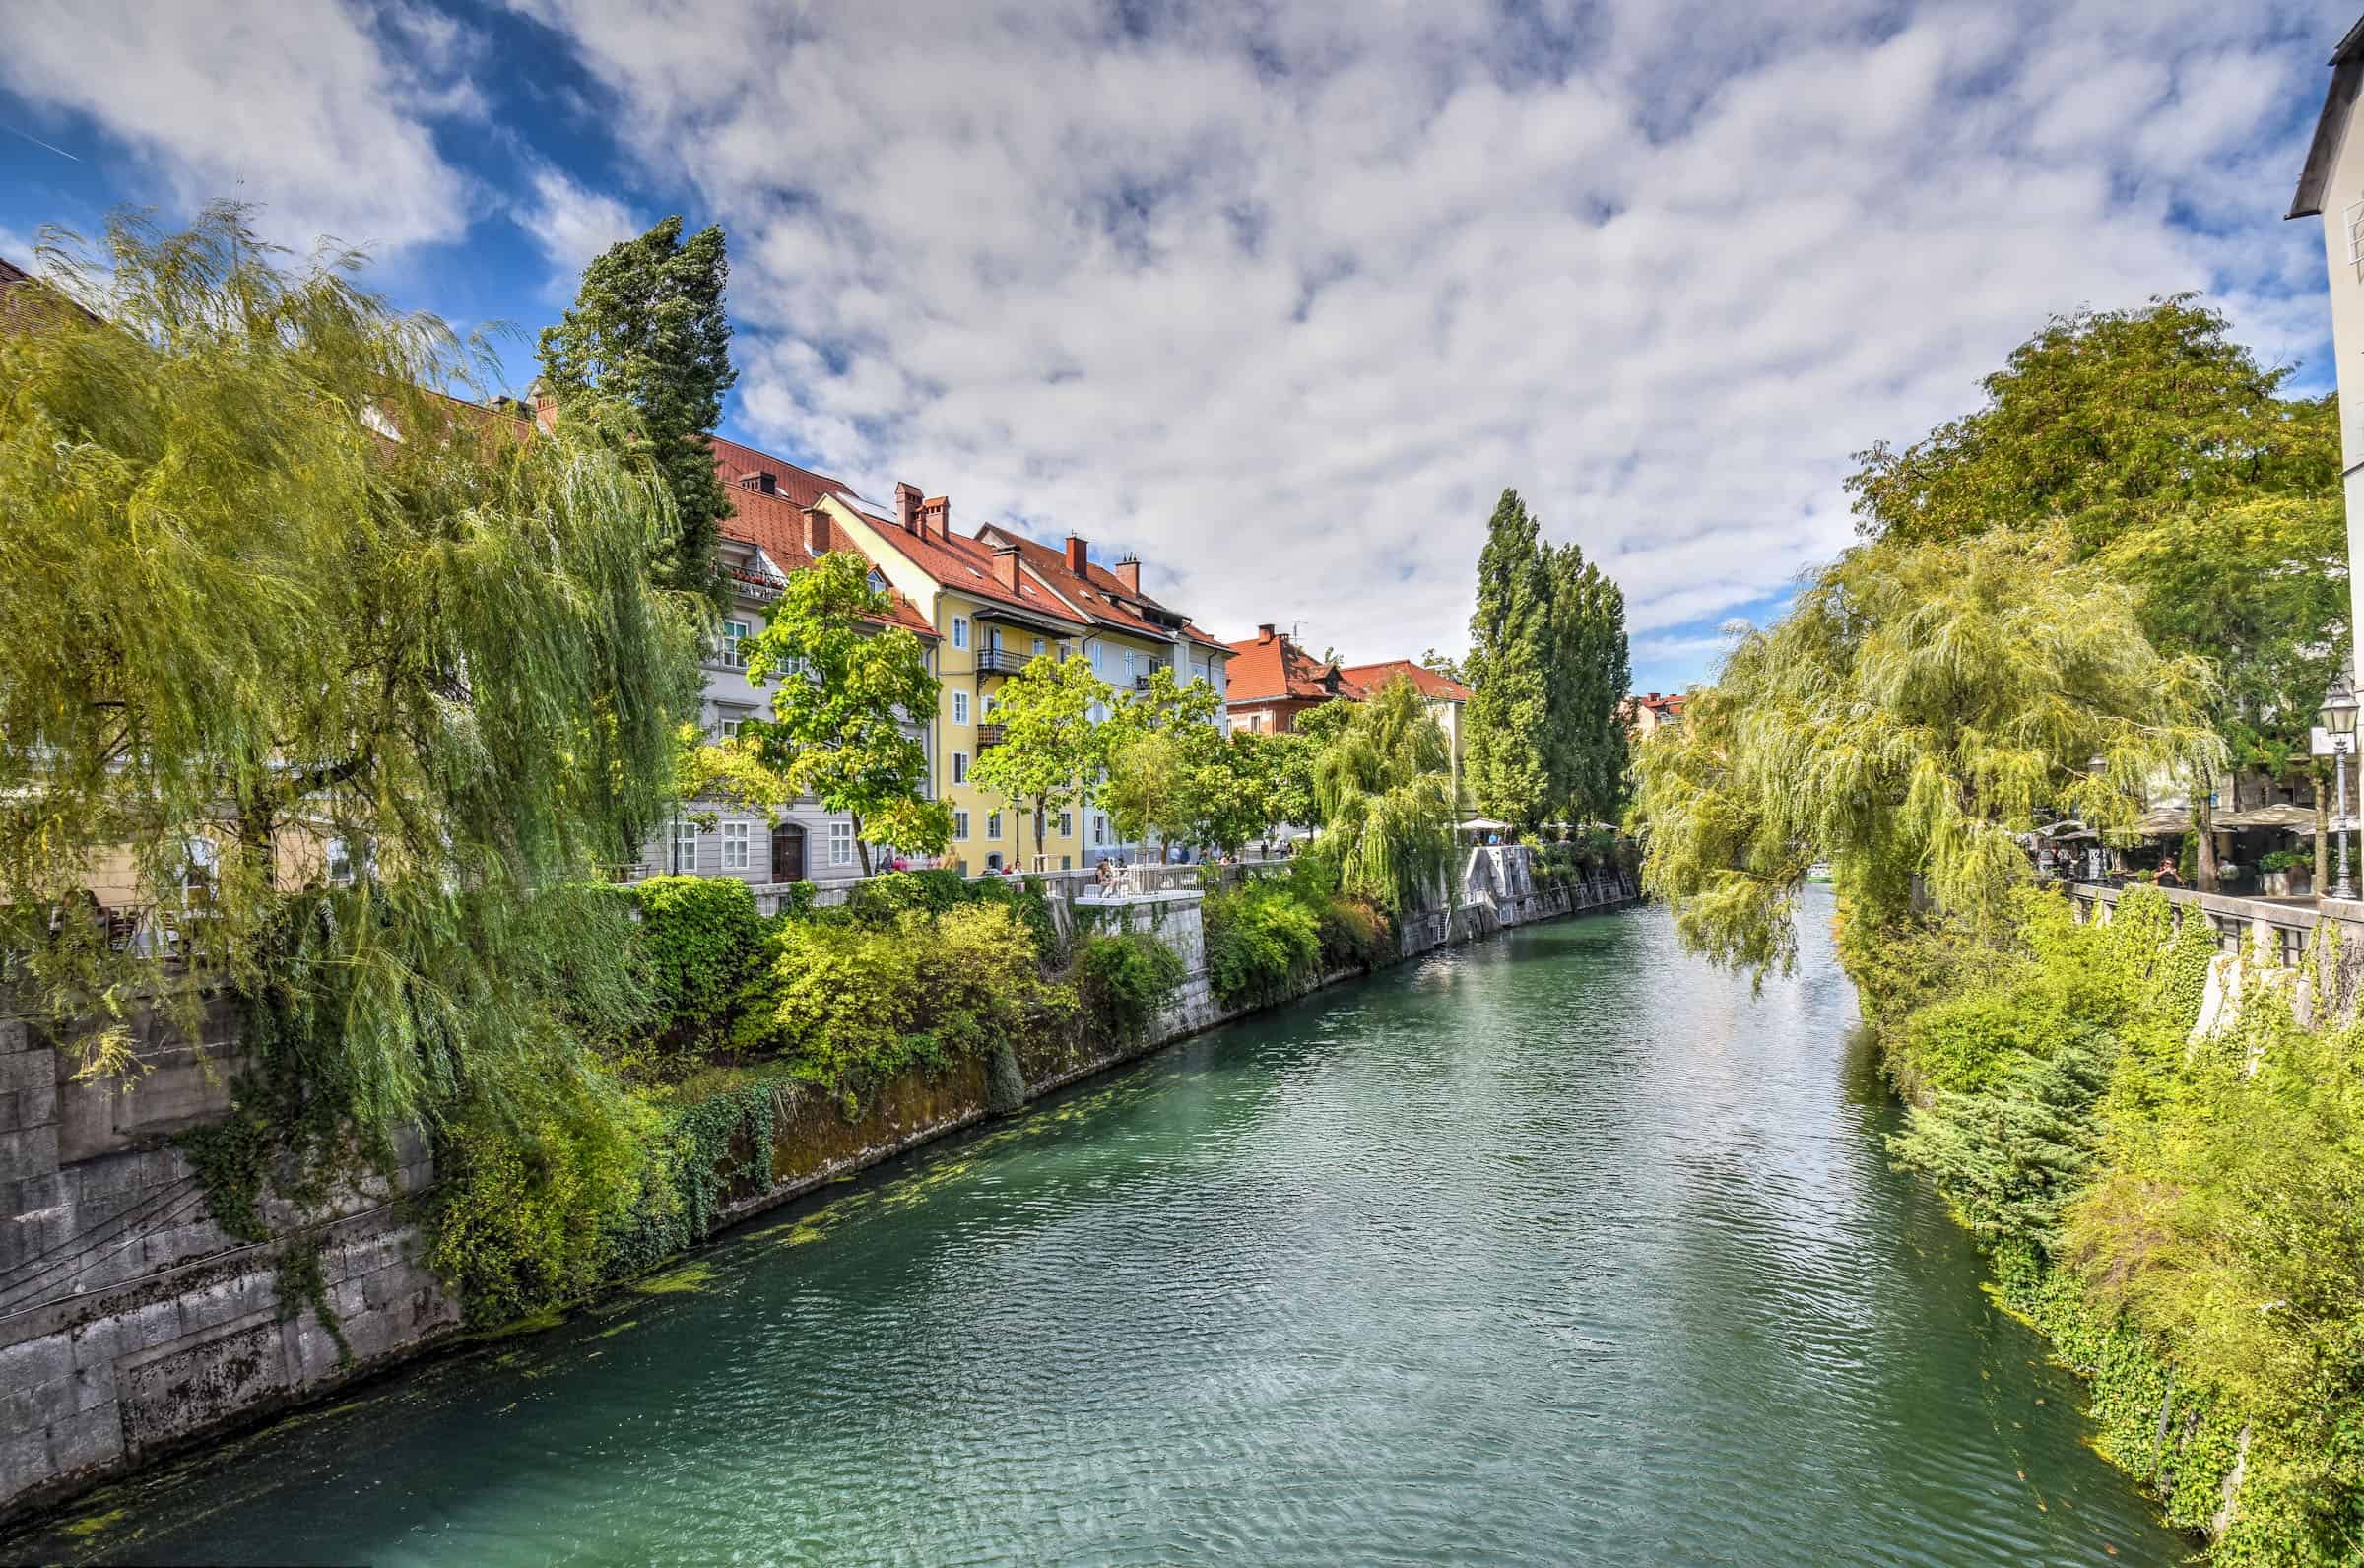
point(2023, 637)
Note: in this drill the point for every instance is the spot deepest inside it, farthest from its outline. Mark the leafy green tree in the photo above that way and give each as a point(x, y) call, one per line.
point(643, 358)
point(1279, 770)
point(1385, 792)
point(2105, 422)
point(1913, 711)
point(1589, 673)
point(1052, 750)
point(1508, 720)
point(848, 683)
point(1326, 723)
point(1170, 772)
point(440, 652)
point(1446, 665)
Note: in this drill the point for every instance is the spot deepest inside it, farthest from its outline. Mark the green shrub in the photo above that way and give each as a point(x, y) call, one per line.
point(1263, 944)
point(524, 1218)
point(1125, 979)
point(847, 1004)
point(702, 940)
point(1357, 934)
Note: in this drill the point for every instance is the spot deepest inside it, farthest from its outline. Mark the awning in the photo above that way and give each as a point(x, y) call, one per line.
point(2164, 819)
point(2285, 816)
point(1484, 825)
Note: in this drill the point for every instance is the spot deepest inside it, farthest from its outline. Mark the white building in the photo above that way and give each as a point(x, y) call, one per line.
point(2333, 186)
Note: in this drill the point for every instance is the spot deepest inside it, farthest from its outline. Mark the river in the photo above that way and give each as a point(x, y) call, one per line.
point(1560, 1248)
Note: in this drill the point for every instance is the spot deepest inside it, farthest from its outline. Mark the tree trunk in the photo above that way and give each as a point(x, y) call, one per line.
point(2200, 821)
point(860, 844)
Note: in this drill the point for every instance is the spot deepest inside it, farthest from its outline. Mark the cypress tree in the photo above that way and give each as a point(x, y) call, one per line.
point(1590, 671)
point(643, 359)
point(1508, 746)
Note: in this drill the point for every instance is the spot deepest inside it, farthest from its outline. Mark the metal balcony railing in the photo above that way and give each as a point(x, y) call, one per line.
point(1001, 661)
point(988, 735)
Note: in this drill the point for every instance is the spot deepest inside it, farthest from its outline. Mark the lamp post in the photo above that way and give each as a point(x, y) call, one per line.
point(2340, 722)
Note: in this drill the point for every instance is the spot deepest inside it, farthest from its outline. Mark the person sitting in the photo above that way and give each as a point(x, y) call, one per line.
point(2167, 872)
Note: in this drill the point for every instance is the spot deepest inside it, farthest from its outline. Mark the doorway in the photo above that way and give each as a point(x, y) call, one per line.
point(787, 853)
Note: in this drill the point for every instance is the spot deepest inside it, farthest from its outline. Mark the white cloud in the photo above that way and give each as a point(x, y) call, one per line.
point(301, 107)
point(572, 225)
point(1282, 296)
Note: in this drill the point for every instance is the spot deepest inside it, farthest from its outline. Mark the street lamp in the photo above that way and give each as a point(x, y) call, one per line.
point(2340, 722)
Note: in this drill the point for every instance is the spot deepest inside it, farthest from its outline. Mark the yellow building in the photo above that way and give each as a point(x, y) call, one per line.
point(997, 600)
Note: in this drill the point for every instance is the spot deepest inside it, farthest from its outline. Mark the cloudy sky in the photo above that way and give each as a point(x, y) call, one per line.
point(1278, 296)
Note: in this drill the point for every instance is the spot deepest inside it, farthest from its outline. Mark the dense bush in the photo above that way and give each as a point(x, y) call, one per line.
point(883, 900)
point(702, 936)
point(1124, 979)
point(1263, 943)
point(848, 1002)
point(1357, 935)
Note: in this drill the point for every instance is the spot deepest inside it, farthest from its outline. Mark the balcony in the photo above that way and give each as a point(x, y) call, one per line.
point(1001, 661)
point(988, 736)
point(1140, 683)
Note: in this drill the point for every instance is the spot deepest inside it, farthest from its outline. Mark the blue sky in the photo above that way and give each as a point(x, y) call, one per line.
point(1278, 294)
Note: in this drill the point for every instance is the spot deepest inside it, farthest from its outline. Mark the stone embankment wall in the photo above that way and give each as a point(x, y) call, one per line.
point(131, 1323)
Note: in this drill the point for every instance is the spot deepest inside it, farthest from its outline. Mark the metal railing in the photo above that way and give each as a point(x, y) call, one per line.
point(1001, 661)
point(990, 735)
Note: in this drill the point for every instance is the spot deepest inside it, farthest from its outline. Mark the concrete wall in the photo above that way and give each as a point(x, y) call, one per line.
point(130, 1323)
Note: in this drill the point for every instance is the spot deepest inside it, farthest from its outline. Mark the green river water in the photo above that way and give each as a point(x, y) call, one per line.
point(1557, 1249)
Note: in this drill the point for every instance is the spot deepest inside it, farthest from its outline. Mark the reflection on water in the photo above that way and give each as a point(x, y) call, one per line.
point(1559, 1249)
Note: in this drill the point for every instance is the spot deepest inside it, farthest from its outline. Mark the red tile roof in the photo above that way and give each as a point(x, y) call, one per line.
point(1099, 594)
point(1269, 668)
point(774, 522)
point(1436, 687)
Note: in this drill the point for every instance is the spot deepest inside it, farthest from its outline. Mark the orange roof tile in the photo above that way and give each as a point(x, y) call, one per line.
point(1437, 687)
point(1269, 668)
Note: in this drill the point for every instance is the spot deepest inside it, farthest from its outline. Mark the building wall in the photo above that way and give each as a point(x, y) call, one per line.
point(2344, 192)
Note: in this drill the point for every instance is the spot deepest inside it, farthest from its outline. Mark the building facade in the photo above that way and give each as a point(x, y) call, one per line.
point(2332, 186)
point(1274, 681)
point(996, 600)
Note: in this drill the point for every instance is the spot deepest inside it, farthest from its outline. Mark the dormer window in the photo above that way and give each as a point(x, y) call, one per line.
point(878, 581)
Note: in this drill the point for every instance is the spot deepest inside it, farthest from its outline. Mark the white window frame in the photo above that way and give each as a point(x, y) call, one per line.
point(993, 825)
point(1066, 823)
point(959, 707)
point(2353, 220)
point(684, 846)
point(841, 843)
point(731, 728)
point(960, 821)
point(733, 634)
point(1099, 828)
point(959, 767)
point(959, 631)
point(1037, 647)
point(736, 847)
point(338, 860)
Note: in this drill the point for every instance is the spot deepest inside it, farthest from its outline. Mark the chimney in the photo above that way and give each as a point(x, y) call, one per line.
point(761, 480)
point(1005, 567)
point(1127, 572)
point(1078, 553)
point(816, 531)
point(907, 506)
point(1263, 634)
point(545, 408)
point(936, 516)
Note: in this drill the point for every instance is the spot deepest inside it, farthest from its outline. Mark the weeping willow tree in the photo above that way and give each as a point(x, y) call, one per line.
point(340, 679)
point(1918, 706)
point(1384, 788)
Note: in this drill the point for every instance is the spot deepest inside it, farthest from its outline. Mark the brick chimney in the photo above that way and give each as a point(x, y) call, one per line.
point(816, 531)
point(936, 516)
point(1078, 553)
point(545, 408)
point(1005, 567)
point(1264, 632)
point(1127, 572)
point(907, 506)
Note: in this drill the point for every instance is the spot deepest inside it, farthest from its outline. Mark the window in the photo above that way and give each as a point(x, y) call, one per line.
point(841, 843)
point(1037, 647)
point(993, 861)
point(1067, 862)
point(993, 824)
point(959, 707)
point(878, 581)
point(991, 702)
point(1066, 823)
point(734, 846)
point(1096, 651)
point(729, 727)
point(734, 632)
point(959, 823)
point(684, 846)
point(1099, 828)
point(959, 767)
point(2353, 219)
point(340, 863)
point(959, 631)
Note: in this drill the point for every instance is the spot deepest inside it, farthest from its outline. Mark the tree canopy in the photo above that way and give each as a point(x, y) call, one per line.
point(1384, 788)
point(847, 682)
point(1051, 749)
point(276, 615)
point(1548, 666)
point(643, 359)
point(1917, 706)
